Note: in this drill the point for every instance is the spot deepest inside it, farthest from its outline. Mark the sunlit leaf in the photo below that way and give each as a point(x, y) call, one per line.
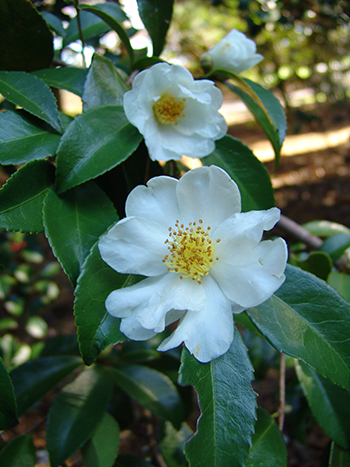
point(95, 142)
point(74, 221)
point(104, 84)
point(32, 94)
point(22, 197)
point(22, 141)
point(69, 78)
point(246, 170)
point(227, 404)
point(76, 413)
point(309, 320)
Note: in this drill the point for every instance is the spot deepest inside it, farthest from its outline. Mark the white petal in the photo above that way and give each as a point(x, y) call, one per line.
point(207, 193)
point(132, 329)
point(135, 246)
point(172, 294)
point(207, 334)
point(253, 283)
point(156, 202)
point(241, 233)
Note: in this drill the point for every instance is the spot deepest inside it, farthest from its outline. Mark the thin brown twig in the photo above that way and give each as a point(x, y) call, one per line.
point(298, 232)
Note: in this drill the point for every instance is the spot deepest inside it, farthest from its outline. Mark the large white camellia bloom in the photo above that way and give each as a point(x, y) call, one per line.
point(235, 52)
point(204, 260)
point(175, 114)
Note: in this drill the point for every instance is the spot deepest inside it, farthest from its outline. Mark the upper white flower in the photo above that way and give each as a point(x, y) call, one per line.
point(235, 52)
point(204, 260)
point(176, 114)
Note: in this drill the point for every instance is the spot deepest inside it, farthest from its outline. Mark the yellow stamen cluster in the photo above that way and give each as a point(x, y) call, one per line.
point(168, 110)
point(191, 251)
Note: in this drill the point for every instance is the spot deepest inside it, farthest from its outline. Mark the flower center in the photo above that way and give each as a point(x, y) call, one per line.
point(168, 110)
point(191, 251)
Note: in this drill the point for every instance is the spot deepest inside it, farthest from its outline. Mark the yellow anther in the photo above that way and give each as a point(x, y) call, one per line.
point(169, 109)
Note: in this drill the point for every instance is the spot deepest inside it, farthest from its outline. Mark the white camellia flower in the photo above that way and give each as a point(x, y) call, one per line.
point(235, 52)
point(204, 260)
point(176, 114)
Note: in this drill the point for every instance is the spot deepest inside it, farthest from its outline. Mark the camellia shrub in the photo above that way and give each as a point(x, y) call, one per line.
point(169, 265)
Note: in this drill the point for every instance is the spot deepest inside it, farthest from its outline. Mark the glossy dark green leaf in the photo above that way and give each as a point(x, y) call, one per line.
point(336, 245)
point(20, 452)
point(25, 39)
point(8, 406)
point(76, 413)
point(341, 283)
point(338, 457)
point(156, 16)
point(153, 390)
point(71, 79)
point(54, 22)
point(317, 263)
point(95, 142)
point(269, 448)
point(35, 378)
point(227, 404)
point(104, 84)
point(64, 344)
point(22, 141)
point(325, 228)
point(264, 106)
point(102, 448)
point(97, 329)
point(329, 403)
point(113, 15)
point(172, 445)
point(246, 170)
point(29, 92)
point(91, 27)
point(74, 221)
point(22, 197)
point(309, 320)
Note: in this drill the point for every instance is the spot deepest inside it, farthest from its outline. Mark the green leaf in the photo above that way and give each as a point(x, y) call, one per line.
point(20, 452)
point(341, 283)
point(338, 457)
point(104, 84)
point(54, 22)
point(308, 320)
point(91, 27)
point(95, 142)
point(268, 449)
point(22, 196)
point(336, 245)
point(156, 16)
point(22, 141)
point(76, 413)
point(317, 263)
point(227, 404)
point(74, 221)
point(102, 448)
point(8, 406)
point(71, 79)
point(113, 15)
point(25, 39)
point(29, 92)
point(172, 445)
point(97, 329)
point(246, 170)
point(35, 378)
point(264, 106)
point(330, 404)
point(325, 228)
point(153, 390)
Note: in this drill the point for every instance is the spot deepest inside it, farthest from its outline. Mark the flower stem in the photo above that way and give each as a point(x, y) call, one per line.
point(76, 4)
